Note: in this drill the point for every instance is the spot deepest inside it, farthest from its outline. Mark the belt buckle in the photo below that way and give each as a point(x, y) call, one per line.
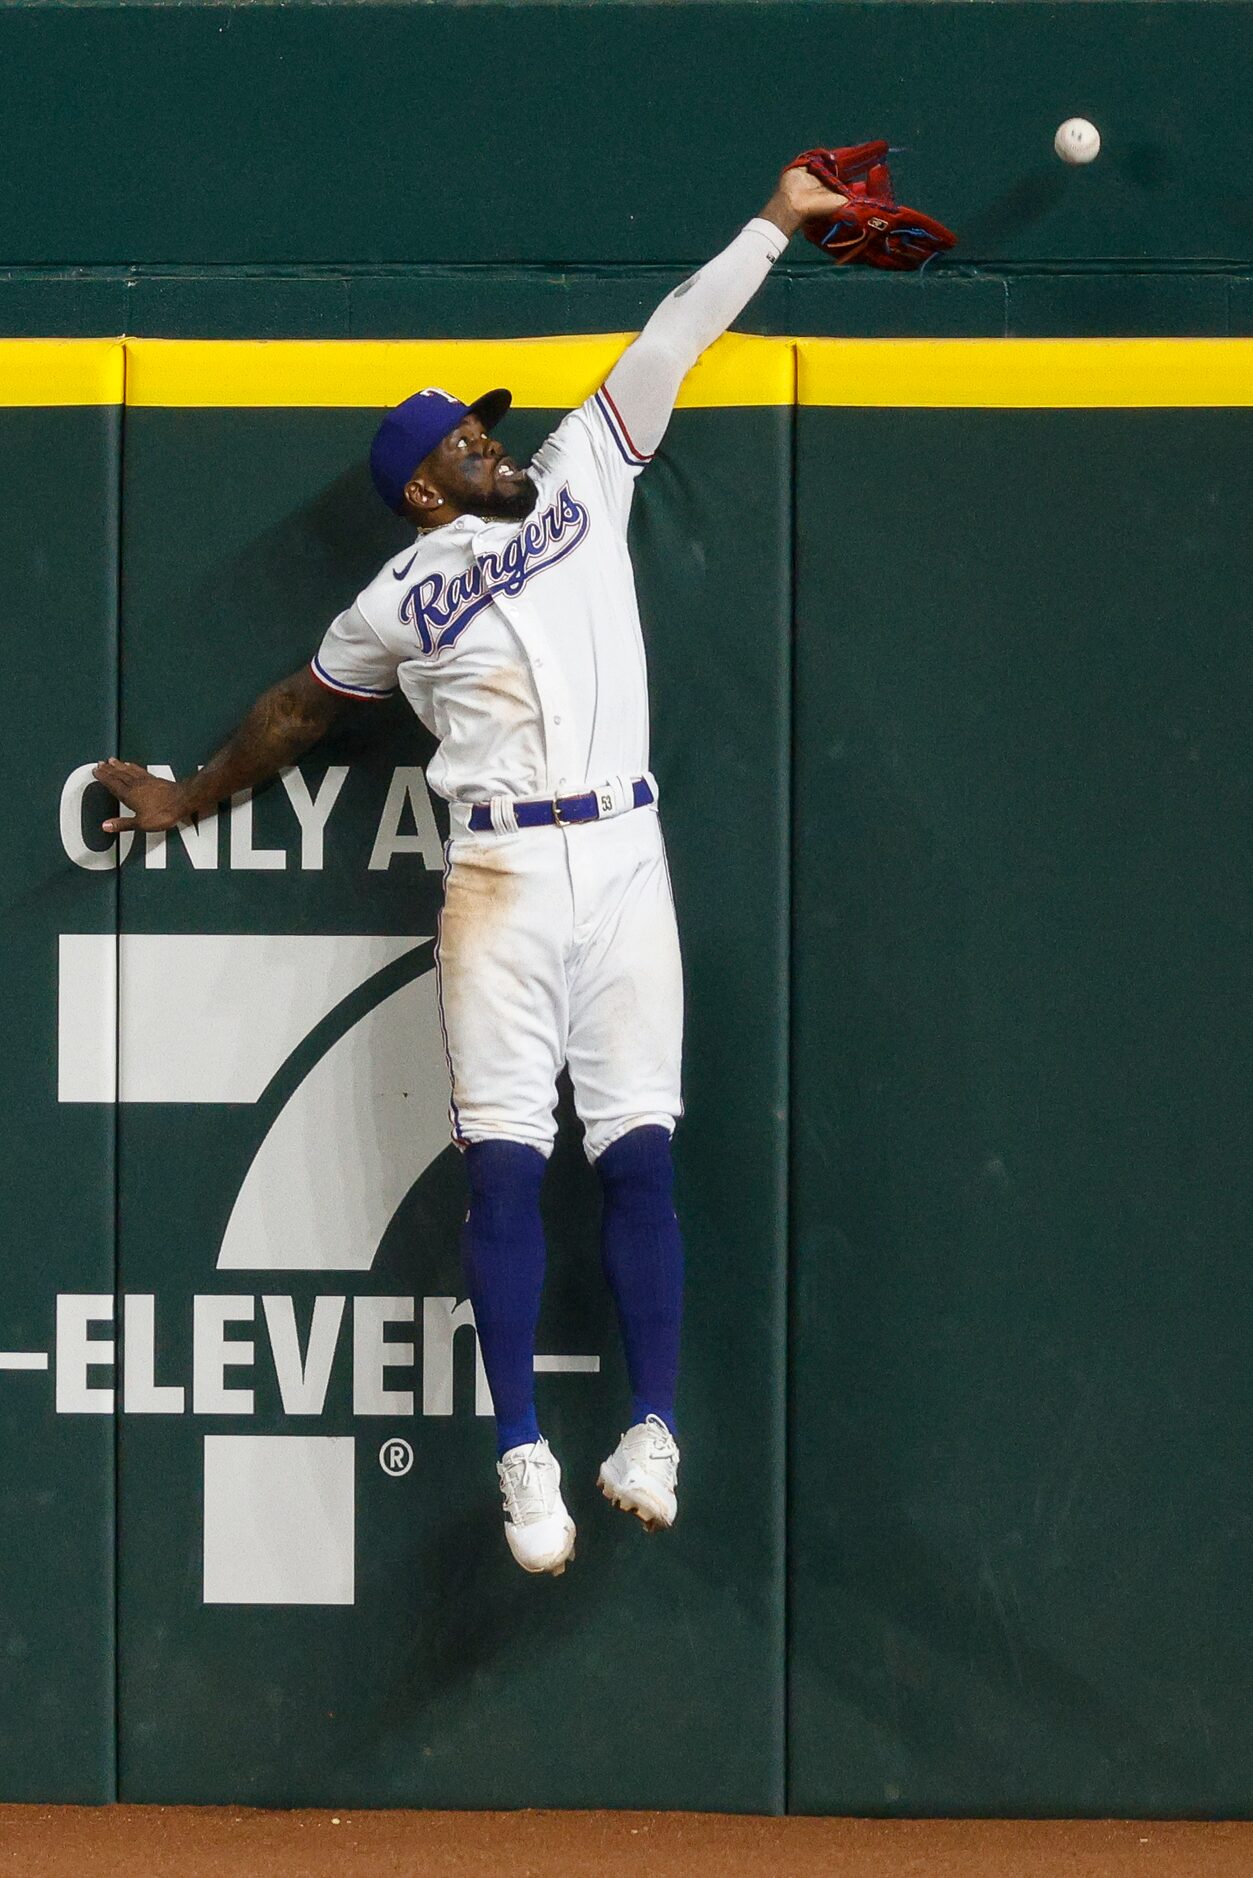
point(558, 818)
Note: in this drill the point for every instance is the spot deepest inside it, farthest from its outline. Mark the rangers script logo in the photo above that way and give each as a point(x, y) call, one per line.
point(439, 610)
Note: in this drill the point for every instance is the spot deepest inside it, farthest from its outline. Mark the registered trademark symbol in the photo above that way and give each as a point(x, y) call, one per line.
point(395, 1457)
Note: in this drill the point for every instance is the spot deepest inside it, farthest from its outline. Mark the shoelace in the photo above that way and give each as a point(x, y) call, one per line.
point(517, 1476)
point(664, 1447)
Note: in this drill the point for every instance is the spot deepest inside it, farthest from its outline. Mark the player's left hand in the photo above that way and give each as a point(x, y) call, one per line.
point(807, 196)
point(869, 226)
point(800, 197)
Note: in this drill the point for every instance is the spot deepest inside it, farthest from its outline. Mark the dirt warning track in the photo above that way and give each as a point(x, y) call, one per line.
point(232, 1842)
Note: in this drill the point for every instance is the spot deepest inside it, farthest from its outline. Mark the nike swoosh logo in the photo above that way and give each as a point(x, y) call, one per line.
point(405, 569)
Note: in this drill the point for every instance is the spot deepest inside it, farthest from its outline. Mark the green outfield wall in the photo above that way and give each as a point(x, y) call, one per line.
point(569, 134)
point(947, 607)
point(1019, 1314)
point(961, 861)
point(57, 1737)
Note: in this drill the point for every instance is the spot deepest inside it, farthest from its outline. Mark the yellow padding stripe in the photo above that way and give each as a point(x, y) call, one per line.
point(1088, 374)
point(556, 373)
point(543, 374)
point(62, 371)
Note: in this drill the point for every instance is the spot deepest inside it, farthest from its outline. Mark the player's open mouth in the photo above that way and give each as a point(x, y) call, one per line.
point(509, 471)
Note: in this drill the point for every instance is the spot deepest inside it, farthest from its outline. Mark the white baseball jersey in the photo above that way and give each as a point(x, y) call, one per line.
point(518, 645)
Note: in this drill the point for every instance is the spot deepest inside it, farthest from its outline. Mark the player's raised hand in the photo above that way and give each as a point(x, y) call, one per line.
point(155, 802)
point(808, 196)
point(800, 197)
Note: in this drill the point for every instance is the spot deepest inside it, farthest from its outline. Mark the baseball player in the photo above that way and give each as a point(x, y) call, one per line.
point(510, 625)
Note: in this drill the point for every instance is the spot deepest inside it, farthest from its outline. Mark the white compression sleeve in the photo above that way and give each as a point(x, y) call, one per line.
point(645, 382)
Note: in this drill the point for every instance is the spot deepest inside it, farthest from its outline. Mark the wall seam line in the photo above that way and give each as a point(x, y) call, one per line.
point(118, 1331)
point(788, 1233)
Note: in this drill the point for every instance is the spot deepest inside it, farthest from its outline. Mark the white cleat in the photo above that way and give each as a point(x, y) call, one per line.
point(642, 1473)
point(539, 1529)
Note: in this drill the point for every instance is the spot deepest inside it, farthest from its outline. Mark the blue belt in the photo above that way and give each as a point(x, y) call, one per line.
point(557, 811)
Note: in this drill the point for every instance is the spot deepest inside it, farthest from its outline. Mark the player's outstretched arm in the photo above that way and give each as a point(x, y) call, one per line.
point(286, 720)
point(645, 382)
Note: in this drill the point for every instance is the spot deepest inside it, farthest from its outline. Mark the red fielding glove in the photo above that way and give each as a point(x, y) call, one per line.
point(871, 228)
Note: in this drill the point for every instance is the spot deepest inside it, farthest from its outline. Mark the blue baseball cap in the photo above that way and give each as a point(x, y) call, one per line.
point(409, 433)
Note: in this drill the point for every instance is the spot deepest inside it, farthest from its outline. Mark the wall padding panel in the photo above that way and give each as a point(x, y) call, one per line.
point(60, 424)
point(1010, 824)
point(305, 1161)
point(1020, 1401)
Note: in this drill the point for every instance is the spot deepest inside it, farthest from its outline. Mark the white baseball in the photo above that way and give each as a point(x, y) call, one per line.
point(1077, 141)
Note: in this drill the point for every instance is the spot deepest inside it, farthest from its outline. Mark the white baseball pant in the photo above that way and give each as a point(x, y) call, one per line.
point(559, 946)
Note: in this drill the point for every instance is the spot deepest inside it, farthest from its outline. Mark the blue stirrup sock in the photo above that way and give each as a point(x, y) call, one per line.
point(502, 1253)
point(642, 1256)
